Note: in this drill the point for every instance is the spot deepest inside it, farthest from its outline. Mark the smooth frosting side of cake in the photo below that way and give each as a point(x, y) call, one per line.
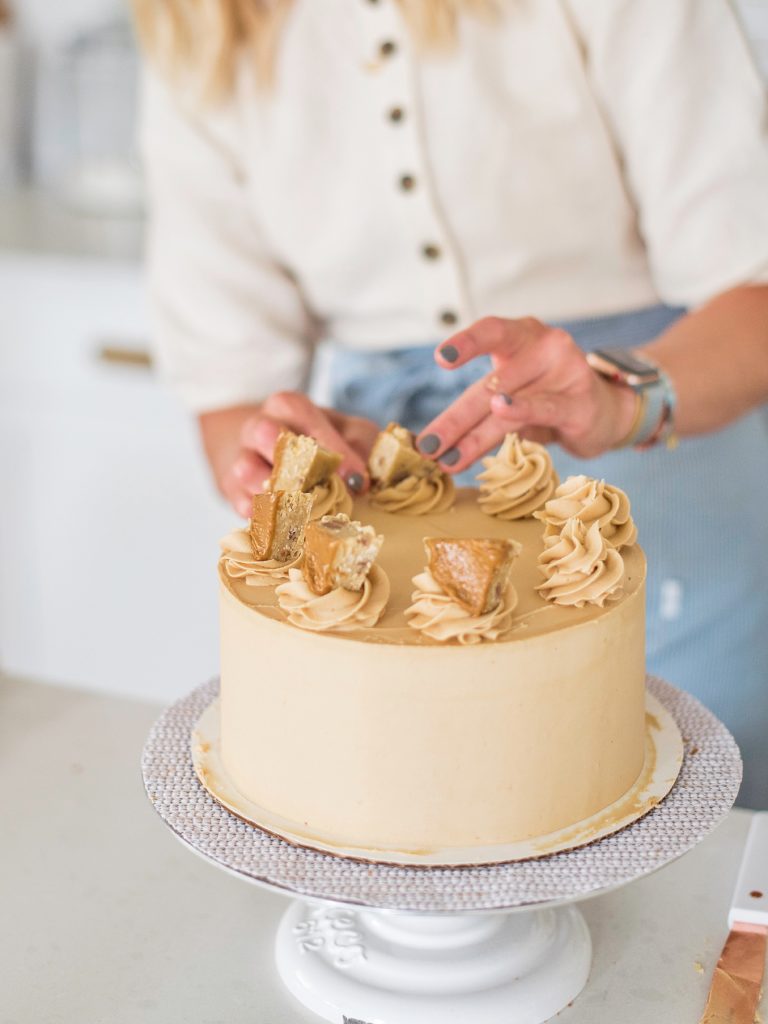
point(415, 745)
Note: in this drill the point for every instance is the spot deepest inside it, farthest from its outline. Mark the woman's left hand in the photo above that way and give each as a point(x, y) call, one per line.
point(541, 386)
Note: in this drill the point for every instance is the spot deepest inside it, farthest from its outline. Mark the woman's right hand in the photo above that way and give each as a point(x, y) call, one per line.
point(240, 442)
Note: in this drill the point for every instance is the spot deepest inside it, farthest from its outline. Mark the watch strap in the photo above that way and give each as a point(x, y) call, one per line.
point(654, 416)
point(663, 394)
point(654, 411)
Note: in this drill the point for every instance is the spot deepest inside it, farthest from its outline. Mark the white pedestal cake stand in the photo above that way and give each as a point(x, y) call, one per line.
point(388, 944)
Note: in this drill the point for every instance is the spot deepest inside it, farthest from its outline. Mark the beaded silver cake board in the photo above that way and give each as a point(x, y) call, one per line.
point(662, 763)
point(702, 795)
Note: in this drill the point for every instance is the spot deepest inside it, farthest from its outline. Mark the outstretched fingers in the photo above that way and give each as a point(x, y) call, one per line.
point(484, 436)
point(491, 336)
point(445, 433)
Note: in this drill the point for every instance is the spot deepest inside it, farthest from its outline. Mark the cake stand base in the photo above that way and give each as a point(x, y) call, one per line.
point(393, 968)
point(400, 944)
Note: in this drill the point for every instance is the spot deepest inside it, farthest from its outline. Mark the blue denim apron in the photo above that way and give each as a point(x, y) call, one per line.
point(701, 513)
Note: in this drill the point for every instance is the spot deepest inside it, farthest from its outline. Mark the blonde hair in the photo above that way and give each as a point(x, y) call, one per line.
point(205, 37)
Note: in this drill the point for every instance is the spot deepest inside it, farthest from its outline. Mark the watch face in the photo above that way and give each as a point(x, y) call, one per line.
point(628, 364)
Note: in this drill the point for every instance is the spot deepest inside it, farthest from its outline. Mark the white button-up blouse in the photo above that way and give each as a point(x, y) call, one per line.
point(573, 158)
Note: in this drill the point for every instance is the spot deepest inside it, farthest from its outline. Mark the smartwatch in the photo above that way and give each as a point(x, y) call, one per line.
point(655, 421)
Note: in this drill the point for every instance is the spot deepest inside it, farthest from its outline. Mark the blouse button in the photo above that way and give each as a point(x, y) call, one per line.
point(448, 317)
point(430, 252)
point(396, 114)
point(407, 182)
point(387, 48)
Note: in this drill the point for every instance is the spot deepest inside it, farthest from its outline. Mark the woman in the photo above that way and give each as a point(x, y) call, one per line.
point(387, 176)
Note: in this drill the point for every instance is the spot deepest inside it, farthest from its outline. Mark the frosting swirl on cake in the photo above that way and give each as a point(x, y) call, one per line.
point(590, 501)
point(417, 495)
point(239, 564)
point(580, 566)
point(330, 497)
point(339, 610)
point(440, 617)
point(516, 481)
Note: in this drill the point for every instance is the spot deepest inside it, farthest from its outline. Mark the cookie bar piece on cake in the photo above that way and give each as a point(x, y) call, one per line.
point(338, 552)
point(394, 457)
point(474, 572)
point(300, 463)
point(278, 522)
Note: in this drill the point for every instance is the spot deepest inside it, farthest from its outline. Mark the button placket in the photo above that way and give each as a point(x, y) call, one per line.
point(429, 250)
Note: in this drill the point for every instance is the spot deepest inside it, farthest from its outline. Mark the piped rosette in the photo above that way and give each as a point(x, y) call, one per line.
point(239, 564)
point(338, 588)
point(273, 544)
point(402, 480)
point(580, 566)
point(465, 593)
point(516, 481)
point(301, 464)
point(590, 500)
point(330, 497)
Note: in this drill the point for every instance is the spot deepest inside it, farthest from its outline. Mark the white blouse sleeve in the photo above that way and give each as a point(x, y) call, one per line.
point(229, 322)
point(688, 113)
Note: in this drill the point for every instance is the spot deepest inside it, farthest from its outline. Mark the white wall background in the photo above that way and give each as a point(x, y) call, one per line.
point(51, 21)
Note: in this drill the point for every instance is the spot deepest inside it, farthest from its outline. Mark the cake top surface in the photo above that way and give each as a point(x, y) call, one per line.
point(402, 557)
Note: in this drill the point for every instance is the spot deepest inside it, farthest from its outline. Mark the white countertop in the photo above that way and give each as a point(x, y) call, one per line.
point(114, 922)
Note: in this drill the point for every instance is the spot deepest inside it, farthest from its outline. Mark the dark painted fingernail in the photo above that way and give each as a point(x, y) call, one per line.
point(355, 482)
point(449, 353)
point(506, 399)
point(451, 457)
point(429, 444)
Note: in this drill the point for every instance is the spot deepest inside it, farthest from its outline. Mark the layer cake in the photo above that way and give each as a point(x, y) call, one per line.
point(386, 738)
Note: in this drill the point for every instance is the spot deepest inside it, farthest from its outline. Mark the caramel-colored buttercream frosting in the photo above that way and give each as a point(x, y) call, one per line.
point(384, 737)
point(417, 495)
point(402, 557)
point(441, 617)
point(580, 567)
point(518, 480)
point(238, 563)
point(339, 610)
point(330, 497)
point(590, 500)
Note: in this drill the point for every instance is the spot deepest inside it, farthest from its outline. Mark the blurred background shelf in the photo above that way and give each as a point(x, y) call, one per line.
point(105, 493)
